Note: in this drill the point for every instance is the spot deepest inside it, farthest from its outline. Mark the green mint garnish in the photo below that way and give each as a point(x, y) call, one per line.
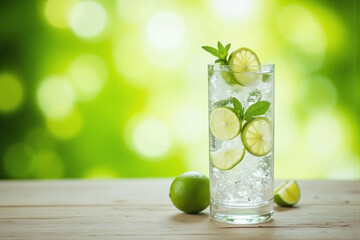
point(266, 77)
point(211, 71)
point(239, 110)
point(256, 109)
point(221, 53)
point(224, 102)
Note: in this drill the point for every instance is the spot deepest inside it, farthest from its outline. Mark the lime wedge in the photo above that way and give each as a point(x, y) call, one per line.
point(225, 160)
point(287, 194)
point(256, 136)
point(224, 124)
point(242, 62)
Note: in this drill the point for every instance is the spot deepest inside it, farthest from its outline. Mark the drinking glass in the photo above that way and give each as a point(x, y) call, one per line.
point(241, 189)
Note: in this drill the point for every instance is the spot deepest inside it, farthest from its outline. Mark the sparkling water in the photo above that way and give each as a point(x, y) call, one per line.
point(243, 194)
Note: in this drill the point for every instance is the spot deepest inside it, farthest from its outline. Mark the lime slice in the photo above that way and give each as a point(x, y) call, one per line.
point(242, 62)
point(287, 194)
point(224, 124)
point(256, 136)
point(225, 160)
point(229, 77)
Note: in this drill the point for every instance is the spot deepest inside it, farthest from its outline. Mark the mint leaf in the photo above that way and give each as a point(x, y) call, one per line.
point(239, 110)
point(224, 102)
point(256, 109)
point(266, 77)
point(212, 51)
point(221, 48)
point(227, 47)
point(221, 53)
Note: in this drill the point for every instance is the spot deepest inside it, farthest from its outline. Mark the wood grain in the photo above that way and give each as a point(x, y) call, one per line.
point(141, 209)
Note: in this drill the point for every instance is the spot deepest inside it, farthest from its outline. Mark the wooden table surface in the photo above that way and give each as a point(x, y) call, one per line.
point(141, 209)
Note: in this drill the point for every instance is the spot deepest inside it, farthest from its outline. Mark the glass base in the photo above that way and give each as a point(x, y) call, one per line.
point(241, 214)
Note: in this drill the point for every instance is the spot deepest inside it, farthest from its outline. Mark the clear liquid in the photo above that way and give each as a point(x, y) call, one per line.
point(242, 214)
point(243, 194)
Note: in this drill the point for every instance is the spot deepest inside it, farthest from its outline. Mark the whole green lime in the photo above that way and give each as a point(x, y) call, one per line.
point(190, 192)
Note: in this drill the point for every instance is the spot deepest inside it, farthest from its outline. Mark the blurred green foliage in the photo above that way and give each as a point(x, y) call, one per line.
point(102, 89)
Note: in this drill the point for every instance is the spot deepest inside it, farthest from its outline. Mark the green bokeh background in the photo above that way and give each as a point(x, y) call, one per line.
point(119, 89)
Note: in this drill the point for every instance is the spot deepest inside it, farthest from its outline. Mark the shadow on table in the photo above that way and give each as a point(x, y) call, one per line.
point(285, 209)
point(190, 218)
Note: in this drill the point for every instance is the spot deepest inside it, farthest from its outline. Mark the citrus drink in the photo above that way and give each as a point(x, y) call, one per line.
point(241, 120)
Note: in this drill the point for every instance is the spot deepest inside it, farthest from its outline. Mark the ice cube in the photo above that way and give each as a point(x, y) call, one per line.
point(218, 88)
point(244, 190)
point(214, 143)
point(256, 194)
point(254, 96)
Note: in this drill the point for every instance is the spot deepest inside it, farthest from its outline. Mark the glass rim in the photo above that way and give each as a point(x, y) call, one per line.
point(257, 65)
point(263, 68)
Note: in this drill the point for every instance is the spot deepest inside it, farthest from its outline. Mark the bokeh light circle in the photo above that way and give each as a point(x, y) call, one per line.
point(87, 19)
point(317, 93)
point(302, 28)
point(101, 173)
point(55, 97)
point(304, 31)
point(165, 30)
point(347, 168)
point(65, 128)
point(234, 9)
point(57, 12)
point(166, 44)
point(166, 59)
point(151, 138)
point(195, 156)
point(165, 34)
point(17, 161)
point(188, 123)
point(192, 74)
point(126, 10)
point(324, 134)
point(131, 63)
point(88, 74)
point(287, 133)
point(47, 164)
point(11, 93)
point(40, 139)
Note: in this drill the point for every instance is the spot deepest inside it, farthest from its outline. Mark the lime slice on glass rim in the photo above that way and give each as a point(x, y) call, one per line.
point(224, 123)
point(256, 136)
point(226, 160)
point(287, 194)
point(242, 62)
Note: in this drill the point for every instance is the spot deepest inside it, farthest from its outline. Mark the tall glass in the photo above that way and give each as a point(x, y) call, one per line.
point(242, 193)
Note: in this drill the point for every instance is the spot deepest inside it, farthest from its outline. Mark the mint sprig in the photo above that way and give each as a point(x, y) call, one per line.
point(239, 110)
point(221, 53)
